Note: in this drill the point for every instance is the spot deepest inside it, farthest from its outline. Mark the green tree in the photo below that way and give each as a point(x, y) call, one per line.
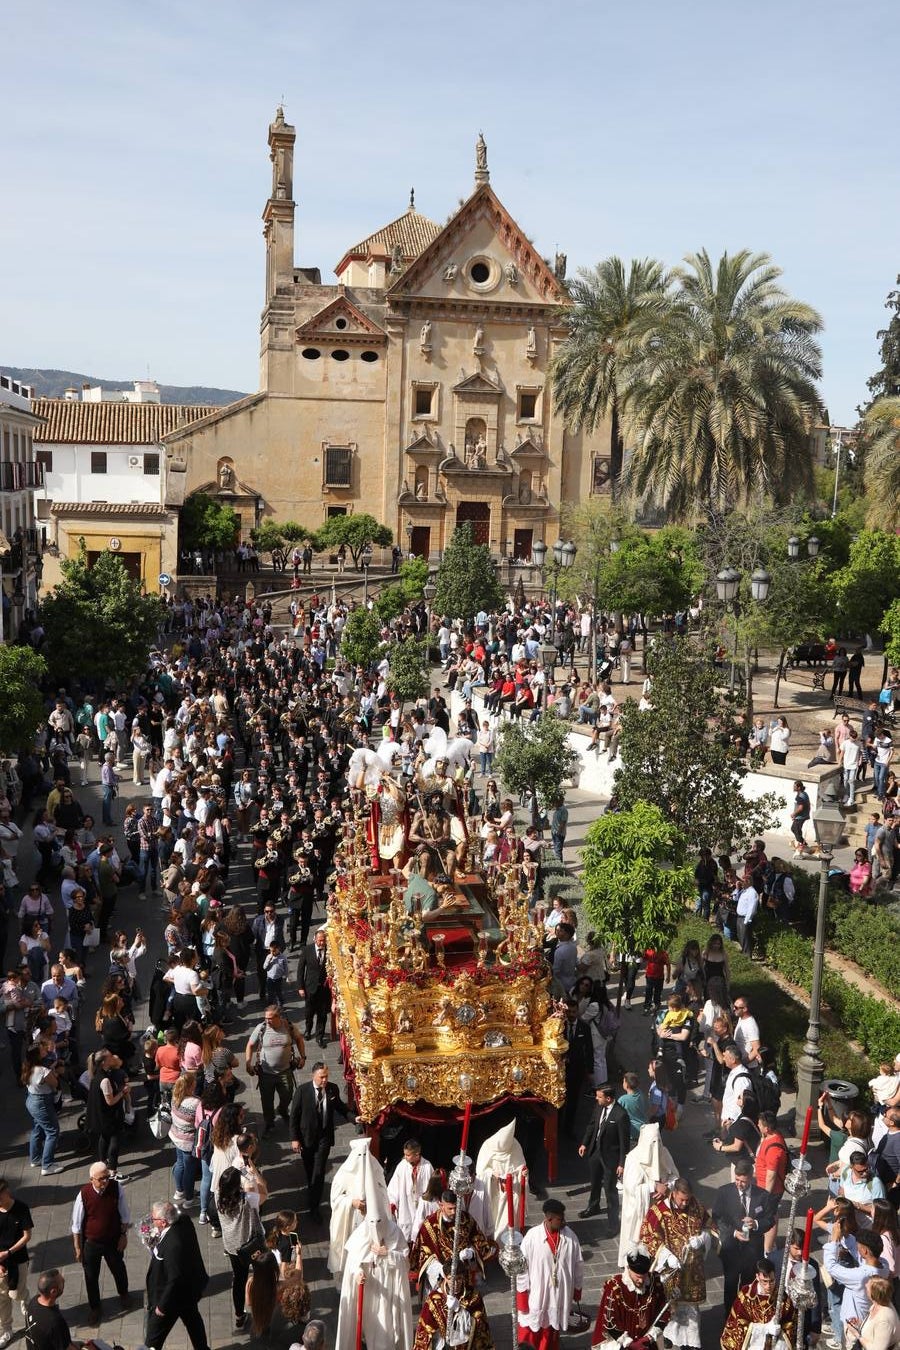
point(206, 523)
point(645, 576)
point(466, 579)
point(798, 607)
point(99, 624)
point(611, 308)
point(389, 602)
point(22, 671)
point(678, 754)
point(720, 395)
point(885, 383)
point(890, 627)
point(278, 539)
point(882, 463)
point(866, 586)
point(413, 577)
point(636, 879)
point(361, 638)
point(356, 531)
point(408, 670)
point(535, 757)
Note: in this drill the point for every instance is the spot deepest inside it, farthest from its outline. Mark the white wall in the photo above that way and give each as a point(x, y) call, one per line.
point(71, 480)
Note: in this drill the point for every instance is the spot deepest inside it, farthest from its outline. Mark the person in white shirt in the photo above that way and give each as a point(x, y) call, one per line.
point(737, 1082)
point(746, 1032)
point(747, 901)
point(851, 752)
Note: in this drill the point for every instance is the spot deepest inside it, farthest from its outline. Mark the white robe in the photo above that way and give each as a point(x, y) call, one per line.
point(549, 1303)
point(498, 1156)
point(349, 1184)
point(648, 1162)
point(387, 1306)
point(404, 1193)
point(478, 1206)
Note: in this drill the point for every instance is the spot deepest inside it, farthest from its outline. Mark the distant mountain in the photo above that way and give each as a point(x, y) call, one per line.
point(54, 383)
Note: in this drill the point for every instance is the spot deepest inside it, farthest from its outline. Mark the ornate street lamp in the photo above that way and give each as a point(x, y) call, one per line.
point(828, 823)
point(793, 547)
point(813, 544)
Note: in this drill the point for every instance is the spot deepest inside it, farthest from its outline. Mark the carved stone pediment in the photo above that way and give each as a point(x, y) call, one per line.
point(422, 443)
point(479, 385)
point(340, 321)
point(529, 448)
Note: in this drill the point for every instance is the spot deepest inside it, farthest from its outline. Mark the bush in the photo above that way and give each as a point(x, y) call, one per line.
point(867, 936)
point(870, 1021)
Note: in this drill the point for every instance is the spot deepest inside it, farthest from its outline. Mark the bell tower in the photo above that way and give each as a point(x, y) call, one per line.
point(278, 216)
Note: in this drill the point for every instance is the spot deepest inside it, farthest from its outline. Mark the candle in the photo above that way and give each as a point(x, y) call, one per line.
point(508, 1183)
point(467, 1119)
point(807, 1236)
point(523, 1180)
point(360, 1295)
point(806, 1128)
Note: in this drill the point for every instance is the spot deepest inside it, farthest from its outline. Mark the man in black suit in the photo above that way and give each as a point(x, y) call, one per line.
point(312, 1130)
point(176, 1278)
point(742, 1213)
point(579, 1062)
point(312, 981)
point(605, 1145)
point(267, 927)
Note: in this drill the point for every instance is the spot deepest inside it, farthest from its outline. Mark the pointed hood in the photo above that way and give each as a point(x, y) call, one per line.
point(500, 1154)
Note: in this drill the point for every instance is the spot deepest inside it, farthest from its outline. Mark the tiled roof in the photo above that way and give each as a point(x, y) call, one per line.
point(108, 509)
point(412, 231)
point(111, 423)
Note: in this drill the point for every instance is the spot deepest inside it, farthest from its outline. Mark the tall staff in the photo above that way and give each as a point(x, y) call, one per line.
point(797, 1185)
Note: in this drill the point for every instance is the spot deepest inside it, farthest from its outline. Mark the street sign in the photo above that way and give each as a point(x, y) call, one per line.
point(164, 579)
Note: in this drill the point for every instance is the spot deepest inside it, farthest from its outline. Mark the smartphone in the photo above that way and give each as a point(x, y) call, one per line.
point(295, 1239)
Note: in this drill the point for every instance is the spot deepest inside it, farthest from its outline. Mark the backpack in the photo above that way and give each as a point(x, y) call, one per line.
point(204, 1145)
point(765, 1089)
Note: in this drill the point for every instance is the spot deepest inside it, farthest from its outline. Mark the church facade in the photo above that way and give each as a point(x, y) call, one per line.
point(415, 388)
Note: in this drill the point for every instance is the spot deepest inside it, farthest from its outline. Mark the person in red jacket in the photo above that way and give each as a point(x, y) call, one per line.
point(657, 970)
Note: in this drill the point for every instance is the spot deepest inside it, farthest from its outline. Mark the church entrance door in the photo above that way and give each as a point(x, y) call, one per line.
point(479, 513)
point(420, 541)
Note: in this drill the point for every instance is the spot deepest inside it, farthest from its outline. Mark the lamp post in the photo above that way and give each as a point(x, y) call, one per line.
point(548, 663)
point(728, 584)
point(366, 560)
point(409, 532)
point(828, 823)
point(429, 591)
point(563, 557)
point(539, 557)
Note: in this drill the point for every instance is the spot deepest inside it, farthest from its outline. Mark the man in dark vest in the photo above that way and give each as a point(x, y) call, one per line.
point(100, 1224)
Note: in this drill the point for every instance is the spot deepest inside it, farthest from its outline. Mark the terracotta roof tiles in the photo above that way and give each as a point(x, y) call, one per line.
point(111, 423)
point(412, 231)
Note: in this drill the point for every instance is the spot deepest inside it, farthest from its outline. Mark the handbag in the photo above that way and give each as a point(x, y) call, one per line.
point(92, 939)
point(160, 1123)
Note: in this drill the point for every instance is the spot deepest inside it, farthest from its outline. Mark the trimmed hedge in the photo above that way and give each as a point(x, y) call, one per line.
point(870, 1021)
point(866, 934)
point(782, 1020)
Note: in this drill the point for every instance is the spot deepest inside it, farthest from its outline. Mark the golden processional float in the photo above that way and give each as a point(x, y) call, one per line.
point(445, 1013)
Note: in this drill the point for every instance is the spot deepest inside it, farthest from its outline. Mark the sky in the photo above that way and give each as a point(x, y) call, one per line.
point(135, 166)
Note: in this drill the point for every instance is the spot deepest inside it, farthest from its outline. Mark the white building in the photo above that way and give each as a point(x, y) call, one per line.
point(144, 391)
point(105, 481)
point(20, 546)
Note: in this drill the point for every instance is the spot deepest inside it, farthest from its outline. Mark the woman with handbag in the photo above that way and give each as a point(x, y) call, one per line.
point(238, 1199)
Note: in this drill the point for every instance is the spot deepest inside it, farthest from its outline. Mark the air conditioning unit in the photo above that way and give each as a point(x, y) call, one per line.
point(134, 461)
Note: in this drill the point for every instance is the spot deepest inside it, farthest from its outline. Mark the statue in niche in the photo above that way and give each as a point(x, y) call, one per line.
point(226, 475)
point(421, 492)
point(524, 495)
point(531, 344)
point(450, 272)
point(512, 274)
point(425, 336)
point(480, 453)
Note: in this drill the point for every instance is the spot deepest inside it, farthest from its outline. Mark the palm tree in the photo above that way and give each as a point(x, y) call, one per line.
point(721, 394)
point(882, 464)
point(610, 309)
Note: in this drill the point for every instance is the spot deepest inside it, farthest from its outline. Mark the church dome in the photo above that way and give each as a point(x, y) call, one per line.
point(411, 233)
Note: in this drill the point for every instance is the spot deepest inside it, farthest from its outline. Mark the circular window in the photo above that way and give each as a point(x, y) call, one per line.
point(368, 356)
point(311, 353)
point(340, 355)
point(482, 274)
point(340, 323)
